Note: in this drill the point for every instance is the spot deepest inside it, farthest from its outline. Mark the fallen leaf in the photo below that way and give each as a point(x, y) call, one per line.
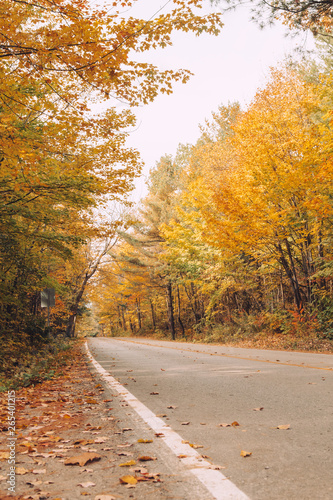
point(4, 455)
point(196, 446)
point(161, 415)
point(182, 456)
point(224, 425)
point(104, 497)
point(83, 459)
point(185, 423)
point(171, 407)
point(246, 453)
point(258, 409)
point(154, 393)
point(87, 484)
point(159, 434)
point(128, 480)
point(101, 440)
point(39, 471)
point(128, 464)
point(145, 440)
point(235, 424)
point(142, 470)
point(126, 429)
point(21, 470)
point(146, 458)
point(34, 483)
point(283, 427)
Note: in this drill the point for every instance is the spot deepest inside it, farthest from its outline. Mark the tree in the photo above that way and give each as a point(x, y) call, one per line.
point(60, 161)
point(315, 15)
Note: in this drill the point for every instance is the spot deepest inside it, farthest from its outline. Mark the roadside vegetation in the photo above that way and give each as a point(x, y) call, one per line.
point(65, 168)
point(233, 242)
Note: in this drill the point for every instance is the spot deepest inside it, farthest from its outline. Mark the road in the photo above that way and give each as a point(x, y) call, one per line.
point(207, 386)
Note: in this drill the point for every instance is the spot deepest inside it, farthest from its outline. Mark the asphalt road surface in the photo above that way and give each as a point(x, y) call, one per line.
point(206, 386)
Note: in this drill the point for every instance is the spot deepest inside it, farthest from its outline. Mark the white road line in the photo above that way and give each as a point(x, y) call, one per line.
point(216, 483)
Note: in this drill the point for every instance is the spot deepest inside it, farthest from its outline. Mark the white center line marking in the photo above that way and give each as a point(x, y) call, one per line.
point(216, 483)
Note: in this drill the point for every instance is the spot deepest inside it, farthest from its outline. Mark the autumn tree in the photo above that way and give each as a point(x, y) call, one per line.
point(60, 159)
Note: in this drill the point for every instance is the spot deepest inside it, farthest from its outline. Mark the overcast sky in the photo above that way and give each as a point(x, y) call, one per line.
point(226, 68)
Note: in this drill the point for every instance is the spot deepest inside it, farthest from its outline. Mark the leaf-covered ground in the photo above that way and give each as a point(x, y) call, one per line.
point(70, 446)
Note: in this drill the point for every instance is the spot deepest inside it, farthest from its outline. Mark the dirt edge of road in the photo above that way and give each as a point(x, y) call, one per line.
point(72, 417)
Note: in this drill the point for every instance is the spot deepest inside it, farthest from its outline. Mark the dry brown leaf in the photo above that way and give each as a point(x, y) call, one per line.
point(159, 434)
point(283, 427)
point(146, 458)
point(182, 456)
point(83, 459)
point(128, 480)
point(196, 446)
point(235, 424)
point(171, 407)
point(126, 429)
point(245, 453)
point(154, 393)
point(104, 497)
point(185, 423)
point(145, 440)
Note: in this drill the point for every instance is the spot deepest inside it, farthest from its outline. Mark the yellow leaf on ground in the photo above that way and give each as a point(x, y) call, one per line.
point(145, 440)
point(283, 427)
point(128, 464)
point(246, 453)
point(128, 480)
point(21, 470)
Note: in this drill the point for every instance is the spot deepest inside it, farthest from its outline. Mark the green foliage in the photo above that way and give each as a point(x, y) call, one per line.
point(23, 364)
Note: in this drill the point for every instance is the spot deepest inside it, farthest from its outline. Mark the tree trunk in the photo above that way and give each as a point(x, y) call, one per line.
point(138, 310)
point(291, 274)
point(152, 313)
point(170, 310)
point(123, 317)
point(178, 312)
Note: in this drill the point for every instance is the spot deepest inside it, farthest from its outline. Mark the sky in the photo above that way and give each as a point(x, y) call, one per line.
point(229, 67)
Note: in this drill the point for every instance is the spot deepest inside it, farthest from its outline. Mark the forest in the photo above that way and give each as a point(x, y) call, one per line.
point(234, 238)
